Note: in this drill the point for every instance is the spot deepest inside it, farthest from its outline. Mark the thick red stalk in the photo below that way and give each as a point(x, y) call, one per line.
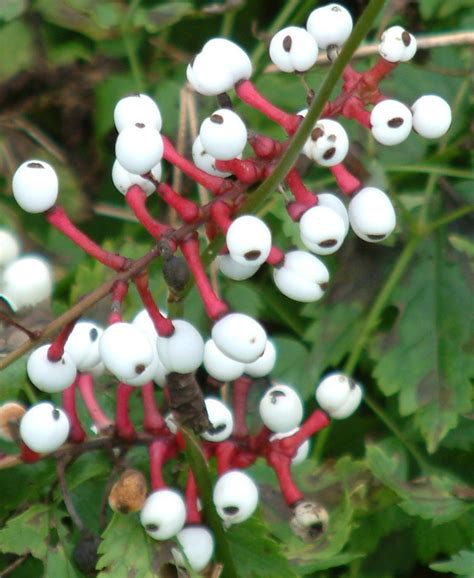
point(56, 216)
point(28, 456)
point(317, 421)
point(56, 349)
point(220, 215)
point(163, 325)
point(153, 421)
point(300, 192)
point(354, 108)
point(225, 453)
point(346, 181)
point(123, 425)
point(276, 257)
point(247, 92)
point(265, 147)
point(136, 200)
point(215, 308)
point(240, 391)
point(85, 383)
point(119, 292)
point(157, 451)
point(193, 515)
point(282, 466)
point(246, 171)
point(378, 72)
point(186, 209)
point(76, 433)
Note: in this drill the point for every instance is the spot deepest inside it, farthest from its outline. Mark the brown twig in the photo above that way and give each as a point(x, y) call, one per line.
point(9, 321)
point(70, 507)
point(13, 566)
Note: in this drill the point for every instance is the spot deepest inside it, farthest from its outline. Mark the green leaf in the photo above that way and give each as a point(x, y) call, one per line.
point(27, 533)
point(16, 34)
point(427, 357)
point(290, 364)
point(163, 15)
point(57, 564)
point(10, 9)
point(461, 564)
point(12, 380)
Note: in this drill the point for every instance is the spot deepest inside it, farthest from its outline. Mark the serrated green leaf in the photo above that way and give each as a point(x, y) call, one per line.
point(27, 533)
point(427, 357)
point(461, 564)
point(57, 564)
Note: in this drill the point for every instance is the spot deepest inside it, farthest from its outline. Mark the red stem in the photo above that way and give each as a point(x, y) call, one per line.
point(276, 257)
point(240, 391)
point(215, 308)
point(300, 192)
point(265, 147)
point(220, 215)
point(163, 325)
point(246, 171)
point(157, 451)
point(247, 92)
point(193, 515)
point(346, 181)
point(28, 456)
point(136, 200)
point(378, 72)
point(76, 433)
point(225, 453)
point(296, 210)
point(186, 209)
point(354, 108)
point(317, 421)
point(56, 349)
point(119, 292)
point(85, 383)
point(123, 425)
point(56, 216)
point(153, 421)
point(282, 466)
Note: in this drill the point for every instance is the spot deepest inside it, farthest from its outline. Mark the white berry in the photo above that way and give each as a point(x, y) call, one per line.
point(221, 419)
point(223, 134)
point(322, 230)
point(239, 337)
point(139, 148)
point(328, 143)
point(44, 428)
point(83, 345)
point(137, 108)
point(123, 179)
point(182, 351)
point(204, 161)
point(27, 281)
point(281, 409)
point(397, 45)
point(35, 186)
point(293, 49)
point(249, 240)
point(144, 323)
point(50, 376)
point(236, 270)
point(264, 364)
point(330, 25)
point(372, 215)
point(334, 203)
point(338, 395)
point(163, 514)
point(197, 544)
point(9, 247)
point(302, 277)
point(219, 365)
point(235, 497)
point(391, 122)
point(431, 116)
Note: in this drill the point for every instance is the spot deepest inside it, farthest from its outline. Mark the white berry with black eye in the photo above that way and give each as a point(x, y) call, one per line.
point(144, 323)
point(125, 351)
point(391, 122)
point(322, 230)
point(239, 337)
point(397, 45)
point(338, 395)
point(332, 202)
point(204, 161)
point(123, 179)
point(328, 143)
point(293, 49)
point(83, 345)
point(302, 277)
point(197, 544)
point(302, 451)
point(35, 186)
point(236, 58)
point(220, 366)
point(372, 215)
point(235, 497)
point(330, 25)
point(27, 281)
point(9, 247)
point(182, 351)
point(150, 373)
point(223, 134)
point(234, 269)
point(264, 364)
point(163, 515)
point(137, 108)
point(221, 420)
point(281, 409)
point(50, 376)
point(44, 428)
point(249, 240)
point(139, 148)
point(431, 116)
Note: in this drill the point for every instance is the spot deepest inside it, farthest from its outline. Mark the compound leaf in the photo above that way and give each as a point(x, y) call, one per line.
point(27, 533)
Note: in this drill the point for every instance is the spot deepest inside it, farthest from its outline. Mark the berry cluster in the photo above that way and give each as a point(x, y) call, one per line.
point(152, 348)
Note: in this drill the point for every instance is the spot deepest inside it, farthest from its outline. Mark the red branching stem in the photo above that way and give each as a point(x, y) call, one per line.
point(240, 392)
point(265, 147)
point(346, 181)
point(220, 215)
point(350, 76)
point(259, 442)
point(191, 494)
point(163, 325)
point(215, 185)
point(153, 421)
point(225, 453)
point(56, 349)
point(27, 455)
point(354, 108)
point(123, 425)
point(276, 257)
point(57, 217)
point(378, 72)
point(186, 209)
point(215, 308)
point(246, 171)
point(136, 200)
point(248, 93)
point(317, 421)
point(300, 192)
point(119, 292)
point(295, 211)
point(282, 466)
point(85, 383)
point(157, 452)
point(76, 432)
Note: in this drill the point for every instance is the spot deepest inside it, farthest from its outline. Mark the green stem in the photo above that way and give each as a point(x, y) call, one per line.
point(432, 170)
point(130, 49)
point(454, 216)
point(228, 23)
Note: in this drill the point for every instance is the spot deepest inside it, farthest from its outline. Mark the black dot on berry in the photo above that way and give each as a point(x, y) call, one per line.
point(287, 42)
point(328, 243)
point(376, 237)
point(230, 510)
point(323, 286)
point(217, 429)
point(139, 125)
point(352, 384)
point(336, 9)
point(395, 122)
point(217, 118)
point(34, 165)
point(93, 334)
point(332, 138)
point(152, 527)
point(316, 133)
point(275, 395)
point(56, 414)
point(315, 529)
point(140, 368)
point(252, 255)
point(329, 154)
point(406, 38)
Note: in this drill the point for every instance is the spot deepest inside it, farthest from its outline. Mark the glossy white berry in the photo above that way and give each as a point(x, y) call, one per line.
point(197, 544)
point(44, 428)
point(9, 247)
point(235, 57)
point(125, 351)
point(35, 186)
point(328, 143)
point(322, 230)
point(50, 376)
point(391, 122)
point(235, 270)
point(27, 281)
point(123, 179)
point(223, 134)
point(303, 450)
point(144, 323)
point(431, 116)
point(334, 203)
point(137, 108)
point(204, 161)
point(293, 49)
point(183, 351)
point(372, 215)
point(235, 497)
point(281, 409)
point(150, 372)
point(338, 395)
point(249, 240)
point(264, 364)
point(139, 148)
point(330, 25)
point(239, 337)
point(221, 419)
point(83, 345)
point(397, 45)
point(218, 365)
point(163, 514)
point(302, 277)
